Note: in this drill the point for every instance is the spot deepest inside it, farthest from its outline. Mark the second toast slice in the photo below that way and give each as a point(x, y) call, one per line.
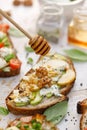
point(10, 65)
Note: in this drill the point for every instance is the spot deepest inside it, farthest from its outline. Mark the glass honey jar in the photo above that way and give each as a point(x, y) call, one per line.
point(77, 30)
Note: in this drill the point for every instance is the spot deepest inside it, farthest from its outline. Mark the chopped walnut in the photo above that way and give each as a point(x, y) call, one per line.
point(44, 82)
point(41, 72)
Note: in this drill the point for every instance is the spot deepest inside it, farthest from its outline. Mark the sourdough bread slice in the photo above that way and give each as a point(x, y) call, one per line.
point(36, 122)
point(82, 106)
point(6, 70)
point(83, 121)
point(40, 76)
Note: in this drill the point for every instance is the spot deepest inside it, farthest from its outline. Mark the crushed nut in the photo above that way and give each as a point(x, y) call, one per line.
point(41, 72)
point(44, 82)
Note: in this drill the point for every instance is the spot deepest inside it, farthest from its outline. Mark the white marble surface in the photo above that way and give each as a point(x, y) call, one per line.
point(28, 21)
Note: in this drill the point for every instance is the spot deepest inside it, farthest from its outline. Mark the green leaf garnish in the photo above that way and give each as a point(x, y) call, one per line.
point(9, 57)
point(76, 54)
point(3, 111)
point(30, 61)
point(56, 113)
point(15, 32)
point(29, 49)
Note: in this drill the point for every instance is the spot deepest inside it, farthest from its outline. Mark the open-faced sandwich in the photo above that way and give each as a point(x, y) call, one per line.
point(9, 63)
point(43, 86)
point(36, 122)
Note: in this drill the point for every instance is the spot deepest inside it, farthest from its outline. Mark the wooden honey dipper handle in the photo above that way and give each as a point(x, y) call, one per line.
point(38, 44)
point(15, 24)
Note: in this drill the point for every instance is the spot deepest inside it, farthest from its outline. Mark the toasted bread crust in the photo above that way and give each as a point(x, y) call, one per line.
point(13, 72)
point(83, 121)
point(82, 106)
point(9, 74)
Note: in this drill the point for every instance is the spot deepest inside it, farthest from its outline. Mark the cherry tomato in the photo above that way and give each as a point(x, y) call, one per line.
point(1, 44)
point(15, 64)
point(4, 27)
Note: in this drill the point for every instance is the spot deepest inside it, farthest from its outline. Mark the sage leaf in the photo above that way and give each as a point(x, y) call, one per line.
point(30, 61)
point(29, 49)
point(3, 111)
point(57, 112)
point(9, 57)
point(76, 54)
point(15, 32)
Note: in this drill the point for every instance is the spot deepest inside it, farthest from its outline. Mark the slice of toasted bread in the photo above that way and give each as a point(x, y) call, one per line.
point(82, 106)
point(42, 78)
point(83, 121)
point(6, 70)
point(33, 122)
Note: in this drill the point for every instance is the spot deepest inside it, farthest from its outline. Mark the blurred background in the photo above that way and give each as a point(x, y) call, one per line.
point(64, 24)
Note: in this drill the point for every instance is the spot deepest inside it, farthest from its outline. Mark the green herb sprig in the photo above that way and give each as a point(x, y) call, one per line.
point(29, 49)
point(30, 61)
point(3, 111)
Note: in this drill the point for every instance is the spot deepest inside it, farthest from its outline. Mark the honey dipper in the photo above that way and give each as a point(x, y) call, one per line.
point(38, 43)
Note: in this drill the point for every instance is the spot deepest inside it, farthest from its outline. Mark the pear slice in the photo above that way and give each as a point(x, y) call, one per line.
point(67, 78)
point(55, 63)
